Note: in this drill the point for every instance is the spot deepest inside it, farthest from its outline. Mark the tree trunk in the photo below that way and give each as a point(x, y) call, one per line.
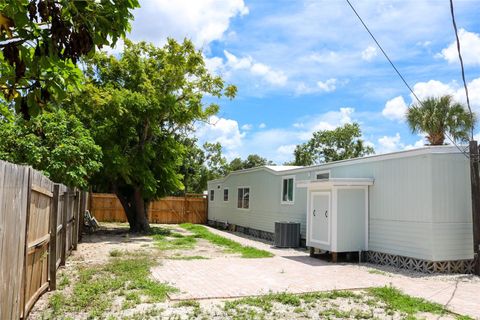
point(135, 207)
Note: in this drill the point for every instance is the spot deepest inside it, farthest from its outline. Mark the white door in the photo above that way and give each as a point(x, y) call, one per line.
point(320, 217)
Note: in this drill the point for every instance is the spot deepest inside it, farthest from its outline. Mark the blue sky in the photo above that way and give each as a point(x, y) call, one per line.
point(302, 66)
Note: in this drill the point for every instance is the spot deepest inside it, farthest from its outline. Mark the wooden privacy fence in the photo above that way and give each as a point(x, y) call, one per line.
point(39, 227)
point(193, 208)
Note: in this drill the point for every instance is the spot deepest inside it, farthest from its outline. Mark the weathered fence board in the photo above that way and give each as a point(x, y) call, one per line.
point(33, 219)
point(13, 214)
point(38, 238)
point(193, 208)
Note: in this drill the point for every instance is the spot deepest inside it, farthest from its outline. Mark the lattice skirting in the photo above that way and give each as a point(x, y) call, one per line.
point(248, 231)
point(455, 266)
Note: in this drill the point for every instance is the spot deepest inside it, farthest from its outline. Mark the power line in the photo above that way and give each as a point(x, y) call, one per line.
point(461, 64)
point(398, 72)
point(383, 51)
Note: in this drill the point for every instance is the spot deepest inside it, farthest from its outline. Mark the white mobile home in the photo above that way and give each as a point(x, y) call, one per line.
point(409, 209)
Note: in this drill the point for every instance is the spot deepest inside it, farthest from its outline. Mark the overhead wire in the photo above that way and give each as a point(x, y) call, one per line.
point(398, 72)
point(461, 64)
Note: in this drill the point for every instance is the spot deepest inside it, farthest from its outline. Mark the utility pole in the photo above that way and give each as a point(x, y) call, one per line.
point(475, 188)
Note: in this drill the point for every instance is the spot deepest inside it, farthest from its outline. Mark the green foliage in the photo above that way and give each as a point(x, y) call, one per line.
point(440, 116)
point(253, 160)
point(396, 300)
point(332, 145)
point(53, 142)
point(139, 107)
point(230, 245)
point(41, 42)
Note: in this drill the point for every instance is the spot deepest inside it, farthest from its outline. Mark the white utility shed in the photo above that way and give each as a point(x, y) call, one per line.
point(409, 207)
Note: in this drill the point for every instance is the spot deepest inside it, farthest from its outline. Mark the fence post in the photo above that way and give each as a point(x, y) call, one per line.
point(76, 208)
point(83, 207)
point(52, 249)
point(66, 204)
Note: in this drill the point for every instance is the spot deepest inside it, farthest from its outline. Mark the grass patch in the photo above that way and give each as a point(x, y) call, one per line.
point(394, 299)
point(187, 303)
point(115, 253)
point(230, 245)
point(97, 286)
point(188, 258)
point(183, 243)
point(56, 302)
point(331, 295)
point(265, 302)
point(63, 282)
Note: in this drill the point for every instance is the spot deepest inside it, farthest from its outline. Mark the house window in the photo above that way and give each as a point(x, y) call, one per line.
point(288, 189)
point(325, 175)
point(225, 194)
point(243, 198)
point(212, 195)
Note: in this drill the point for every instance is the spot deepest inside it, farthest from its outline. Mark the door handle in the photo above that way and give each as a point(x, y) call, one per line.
point(314, 212)
point(326, 213)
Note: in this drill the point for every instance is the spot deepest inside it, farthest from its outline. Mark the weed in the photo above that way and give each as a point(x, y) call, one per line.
point(128, 276)
point(115, 253)
point(376, 271)
point(327, 313)
point(187, 303)
point(188, 258)
point(56, 302)
point(298, 310)
point(63, 282)
point(230, 245)
point(331, 295)
point(394, 299)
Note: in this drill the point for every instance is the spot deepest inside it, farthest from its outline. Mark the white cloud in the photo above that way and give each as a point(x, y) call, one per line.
point(395, 109)
point(225, 131)
point(262, 125)
point(418, 144)
point(470, 48)
point(273, 77)
point(202, 21)
point(432, 88)
point(327, 86)
point(390, 143)
point(286, 149)
point(369, 53)
point(247, 127)
point(214, 64)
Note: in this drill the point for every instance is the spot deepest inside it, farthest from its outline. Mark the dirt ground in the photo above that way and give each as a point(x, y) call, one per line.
point(114, 243)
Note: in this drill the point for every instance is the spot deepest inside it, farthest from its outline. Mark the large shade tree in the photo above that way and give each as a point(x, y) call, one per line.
point(41, 42)
point(332, 145)
point(139, 108)
point(439, 116)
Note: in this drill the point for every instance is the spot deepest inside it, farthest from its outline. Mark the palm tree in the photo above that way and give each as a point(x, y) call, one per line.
point(438, 117)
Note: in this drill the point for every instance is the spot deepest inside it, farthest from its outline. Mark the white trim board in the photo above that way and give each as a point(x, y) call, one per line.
point(372, 158)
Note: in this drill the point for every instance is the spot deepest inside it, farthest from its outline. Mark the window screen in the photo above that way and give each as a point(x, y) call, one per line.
point(225, 194)
point(212, 195)
point(323, 176)
point(287, 190)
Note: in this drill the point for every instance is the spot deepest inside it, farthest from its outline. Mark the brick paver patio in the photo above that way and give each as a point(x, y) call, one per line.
point(294, 271)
